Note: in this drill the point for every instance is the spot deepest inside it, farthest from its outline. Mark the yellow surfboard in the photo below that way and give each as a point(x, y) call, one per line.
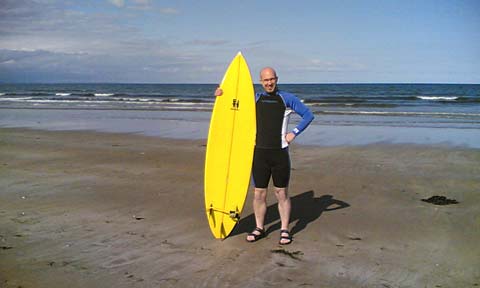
point(230, 144)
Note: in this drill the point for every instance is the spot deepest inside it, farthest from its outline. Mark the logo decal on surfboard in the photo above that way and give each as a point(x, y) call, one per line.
point(235, 104)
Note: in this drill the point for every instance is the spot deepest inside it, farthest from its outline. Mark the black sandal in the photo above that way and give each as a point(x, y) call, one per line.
point(289, 237)
point(255, 236)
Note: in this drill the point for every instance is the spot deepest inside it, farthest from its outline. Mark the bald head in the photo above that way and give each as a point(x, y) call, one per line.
point(268, 78)
point(266, 72)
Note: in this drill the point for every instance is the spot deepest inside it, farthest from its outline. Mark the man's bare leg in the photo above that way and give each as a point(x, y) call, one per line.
point(284, 209)
point(260, 209)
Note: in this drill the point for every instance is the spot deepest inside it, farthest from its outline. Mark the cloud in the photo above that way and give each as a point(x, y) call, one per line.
point(169, 10)
point(118, 3)
point(142, 2)
point(316, 65)
point(14, 14)
point(199, 42)
point(39, 65)
point(151, 66)
point(27, 25)
point(52, 41)
point(58, 42)
point(143, 5)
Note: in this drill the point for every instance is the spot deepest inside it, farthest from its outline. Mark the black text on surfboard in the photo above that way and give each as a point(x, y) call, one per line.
point(235, 104)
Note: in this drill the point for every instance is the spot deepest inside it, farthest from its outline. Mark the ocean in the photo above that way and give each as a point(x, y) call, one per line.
point(346, 114)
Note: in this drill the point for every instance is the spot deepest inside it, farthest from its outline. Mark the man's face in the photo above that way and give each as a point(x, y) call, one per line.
point(268, 78)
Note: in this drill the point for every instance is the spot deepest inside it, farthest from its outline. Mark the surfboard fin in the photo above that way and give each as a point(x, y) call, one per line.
point(223, 233)
point(211, 215)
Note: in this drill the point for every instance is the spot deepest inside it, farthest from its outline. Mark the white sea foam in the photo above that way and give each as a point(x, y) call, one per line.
point(142, 103)
point(103, 94)
point(63, 94)
point(2, 94)
point(50, 101)
point(133, 100)
point(69, 101)
point(16, 99)
point(384, 113)
point(436, 98)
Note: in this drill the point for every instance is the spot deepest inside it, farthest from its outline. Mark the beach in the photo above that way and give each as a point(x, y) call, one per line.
point(91, 209)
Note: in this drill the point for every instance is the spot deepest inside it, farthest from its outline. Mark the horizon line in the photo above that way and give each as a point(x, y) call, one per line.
point(211, 83)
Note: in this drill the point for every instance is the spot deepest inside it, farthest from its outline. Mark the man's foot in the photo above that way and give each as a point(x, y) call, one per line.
point(285, 237)
point(256, 235)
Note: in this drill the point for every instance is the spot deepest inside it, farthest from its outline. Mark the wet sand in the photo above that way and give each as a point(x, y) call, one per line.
point(85, 209)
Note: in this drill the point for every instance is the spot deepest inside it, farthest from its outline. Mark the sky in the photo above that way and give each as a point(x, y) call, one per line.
point(150, 41)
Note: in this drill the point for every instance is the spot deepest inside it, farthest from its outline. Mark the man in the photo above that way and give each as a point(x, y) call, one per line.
point(271, 157)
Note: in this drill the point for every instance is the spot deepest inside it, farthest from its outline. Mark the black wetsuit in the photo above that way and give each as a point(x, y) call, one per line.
point(271, 157)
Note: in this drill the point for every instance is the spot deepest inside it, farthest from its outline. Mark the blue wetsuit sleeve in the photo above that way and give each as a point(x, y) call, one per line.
point(301, 109)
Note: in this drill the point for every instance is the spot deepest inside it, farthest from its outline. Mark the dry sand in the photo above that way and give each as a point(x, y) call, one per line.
point(84, 209)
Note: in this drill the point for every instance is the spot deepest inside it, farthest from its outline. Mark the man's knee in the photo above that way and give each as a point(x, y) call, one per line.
point(281, 193)
point(260, 193)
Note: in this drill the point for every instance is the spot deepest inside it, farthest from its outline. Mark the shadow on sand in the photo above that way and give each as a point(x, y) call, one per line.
point(305, 209)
